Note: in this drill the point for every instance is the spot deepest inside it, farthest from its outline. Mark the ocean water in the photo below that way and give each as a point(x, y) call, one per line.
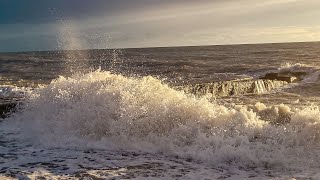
point(207, 112)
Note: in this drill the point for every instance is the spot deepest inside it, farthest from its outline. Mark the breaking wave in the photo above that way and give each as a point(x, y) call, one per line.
point(101, 109)
point(303, 72)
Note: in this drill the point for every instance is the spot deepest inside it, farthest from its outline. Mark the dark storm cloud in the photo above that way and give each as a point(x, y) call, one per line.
point(46, 11)
point(43, 11)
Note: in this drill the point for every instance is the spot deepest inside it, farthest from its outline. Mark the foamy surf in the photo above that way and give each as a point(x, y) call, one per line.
point(102, 110)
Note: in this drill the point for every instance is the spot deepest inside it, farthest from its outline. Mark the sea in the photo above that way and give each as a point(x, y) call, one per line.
point(202, 112)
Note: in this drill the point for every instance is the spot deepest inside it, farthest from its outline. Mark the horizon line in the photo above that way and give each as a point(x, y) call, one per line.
point(155, 47)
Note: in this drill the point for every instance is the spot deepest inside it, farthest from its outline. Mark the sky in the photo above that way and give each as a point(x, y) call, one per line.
point(35, 25)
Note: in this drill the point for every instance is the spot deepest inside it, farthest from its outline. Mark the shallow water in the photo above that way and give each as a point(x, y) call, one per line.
point(144, 115)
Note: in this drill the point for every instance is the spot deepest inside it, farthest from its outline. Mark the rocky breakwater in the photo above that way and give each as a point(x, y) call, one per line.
point(267, 83)
point(234, 87)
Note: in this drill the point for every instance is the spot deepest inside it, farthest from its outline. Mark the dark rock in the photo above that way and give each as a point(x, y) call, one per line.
point(7, 108)
point(289, 77)
point(276, 76)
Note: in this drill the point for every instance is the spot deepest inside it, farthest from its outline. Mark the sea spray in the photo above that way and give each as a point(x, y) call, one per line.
point(76, 61)
point(102, 109)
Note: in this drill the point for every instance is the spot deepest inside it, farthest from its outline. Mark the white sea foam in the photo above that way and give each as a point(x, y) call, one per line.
point(105, 110)
point(9, 91)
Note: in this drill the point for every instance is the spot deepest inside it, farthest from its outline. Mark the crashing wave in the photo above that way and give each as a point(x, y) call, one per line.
point(109, 110)
point(295, 73)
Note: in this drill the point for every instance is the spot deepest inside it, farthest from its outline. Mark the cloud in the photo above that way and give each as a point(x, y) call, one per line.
point(144, 23)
